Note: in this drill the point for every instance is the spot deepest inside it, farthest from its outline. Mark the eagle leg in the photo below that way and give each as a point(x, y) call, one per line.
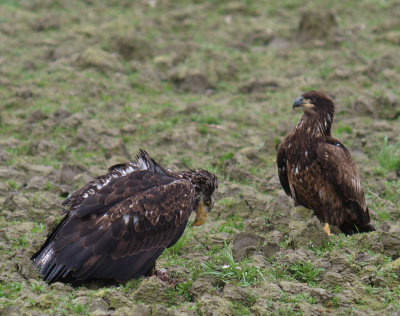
point(327, 229)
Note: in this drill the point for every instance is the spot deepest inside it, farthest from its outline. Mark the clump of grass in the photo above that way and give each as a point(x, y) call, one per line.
point(305, 272)
point(389, 156)
point(225, 269)
point(10, 290)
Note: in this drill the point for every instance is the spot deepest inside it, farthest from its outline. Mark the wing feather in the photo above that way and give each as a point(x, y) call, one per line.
point(341, 170)
point(124, 240)
point(282, 171)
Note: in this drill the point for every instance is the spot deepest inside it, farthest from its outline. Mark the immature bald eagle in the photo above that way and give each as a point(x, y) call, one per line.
point(317, 171)
point(118, 224)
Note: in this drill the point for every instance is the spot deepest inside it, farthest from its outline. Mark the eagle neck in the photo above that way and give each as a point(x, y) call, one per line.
point(316, 123)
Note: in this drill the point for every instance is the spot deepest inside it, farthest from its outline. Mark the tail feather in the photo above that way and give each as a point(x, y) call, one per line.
point(351, 229)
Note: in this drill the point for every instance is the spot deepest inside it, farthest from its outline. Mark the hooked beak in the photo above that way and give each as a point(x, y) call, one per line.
point(201, 215)
point(303, 103)
point(298, 102)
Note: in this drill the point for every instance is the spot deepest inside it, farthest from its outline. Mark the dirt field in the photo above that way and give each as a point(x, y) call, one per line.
point(202, 84)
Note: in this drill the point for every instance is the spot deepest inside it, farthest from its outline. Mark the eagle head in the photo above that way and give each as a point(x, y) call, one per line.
point(315, 101)
point(206, 185)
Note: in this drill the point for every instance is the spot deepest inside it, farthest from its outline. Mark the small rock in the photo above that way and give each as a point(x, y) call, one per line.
point(98, 59)
point(46, 23)
point(215, 306)
point(333, 278)
point(234, 293)
point(69, 172)
point(259, 86)
point(10, 310)
point(200, 287)
point(132, 46)
point(152, 290)
point(24, 93)
point(391, 244)
point(307, 234)
point(270, 249)
point(315, 24)
point(36, 183)
point(192, 80)
point(245, 245)
point(35, 117)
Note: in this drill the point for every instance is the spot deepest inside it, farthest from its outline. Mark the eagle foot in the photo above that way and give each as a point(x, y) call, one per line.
point(327, 228)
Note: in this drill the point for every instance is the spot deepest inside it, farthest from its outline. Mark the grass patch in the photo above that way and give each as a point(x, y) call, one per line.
point(305, 272)
point(225, 269)
point(389, 155)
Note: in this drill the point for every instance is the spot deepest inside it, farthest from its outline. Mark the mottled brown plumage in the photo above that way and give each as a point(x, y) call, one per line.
point(118, 224)
point(317, 170)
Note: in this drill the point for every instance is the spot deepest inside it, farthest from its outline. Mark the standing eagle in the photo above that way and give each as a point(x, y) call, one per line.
point(118, 224)
point(317, 170)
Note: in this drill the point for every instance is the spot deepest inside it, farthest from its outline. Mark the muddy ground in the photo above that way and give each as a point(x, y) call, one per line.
point(85, 84)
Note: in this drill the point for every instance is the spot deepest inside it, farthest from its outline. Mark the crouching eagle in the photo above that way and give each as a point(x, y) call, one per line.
point(317, 170)
point(118, 224)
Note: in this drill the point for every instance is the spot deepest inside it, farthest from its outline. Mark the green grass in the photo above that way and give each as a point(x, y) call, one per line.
point(305, 272)
point(10, 290)
point(389, 156)
point(141, 106)
point(225, 269)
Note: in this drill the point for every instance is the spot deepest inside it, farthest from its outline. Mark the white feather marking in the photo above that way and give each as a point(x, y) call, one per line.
point(141, 164)
point(320, 193)
point(85, 195)
point(91, 191)
point(100, 227)
point(180, 213)
point(306, 153)
point(49, 254)
point(135, 220)
point(126, 219)
point(99, 186)
point(297, 170)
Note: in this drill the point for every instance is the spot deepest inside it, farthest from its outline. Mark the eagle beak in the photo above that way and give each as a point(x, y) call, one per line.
point(201, 215)
point(302, 102)
point(298, 102)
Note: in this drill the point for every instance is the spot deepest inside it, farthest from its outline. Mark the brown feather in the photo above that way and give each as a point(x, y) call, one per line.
point(317, 171)
point(118, 224)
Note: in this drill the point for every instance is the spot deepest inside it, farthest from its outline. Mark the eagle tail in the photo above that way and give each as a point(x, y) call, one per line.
point(351, 229)
point(45, 258)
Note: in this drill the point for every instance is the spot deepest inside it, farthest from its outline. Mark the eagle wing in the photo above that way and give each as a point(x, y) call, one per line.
point(341, 171)
point(100, 187)
point(282, 171)
point(122, 241)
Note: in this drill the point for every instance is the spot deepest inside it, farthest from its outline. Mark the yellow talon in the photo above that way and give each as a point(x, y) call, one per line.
point(201, 216)
point(327, 229)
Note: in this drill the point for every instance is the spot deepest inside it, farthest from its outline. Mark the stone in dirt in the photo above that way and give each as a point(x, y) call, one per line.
point(306, 234)
point(190, 80)
point(316, 24)
point(245, 245)
point(235, 293)
point(200, 287)
point(132, 46)
point(152, 290)
point(98, 59)
point(215, 306)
